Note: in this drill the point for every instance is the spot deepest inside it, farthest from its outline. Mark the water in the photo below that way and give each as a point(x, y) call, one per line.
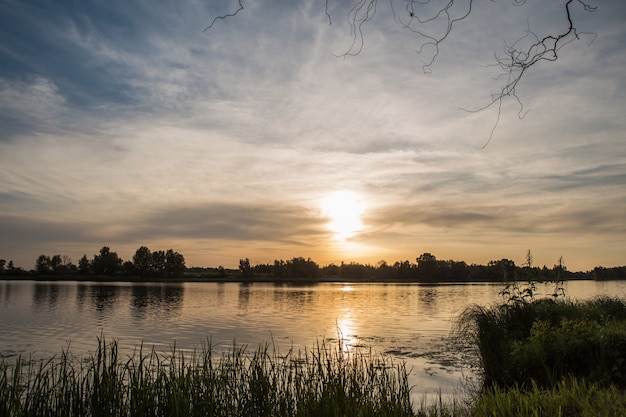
point(410, 323)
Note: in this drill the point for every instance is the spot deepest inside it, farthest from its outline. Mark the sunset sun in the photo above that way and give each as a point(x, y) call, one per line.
point(343, 210)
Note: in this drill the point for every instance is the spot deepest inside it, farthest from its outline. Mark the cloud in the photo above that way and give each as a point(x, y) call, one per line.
point(125, 124)
point(244, 221)
point(27, 104)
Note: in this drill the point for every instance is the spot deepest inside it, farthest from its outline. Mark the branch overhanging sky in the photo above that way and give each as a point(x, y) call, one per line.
point(123, 124)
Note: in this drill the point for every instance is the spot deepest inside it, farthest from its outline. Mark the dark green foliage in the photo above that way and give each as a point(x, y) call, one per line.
point(583, 348)
point(545, 340)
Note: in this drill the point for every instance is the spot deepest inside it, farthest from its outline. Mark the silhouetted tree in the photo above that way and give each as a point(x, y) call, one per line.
point(128, 268)
point(501, 270)
point(427, 267)
point(405, 270)
point(158, 262)
point(43, 265)
point(331, 270)
point(245, 268)
point(356, 271)
point(107, 262)
point(279, 269)
point(56, 263)
point(174, 263)
point(302, 268)
point(142, 260)
point(84, 265)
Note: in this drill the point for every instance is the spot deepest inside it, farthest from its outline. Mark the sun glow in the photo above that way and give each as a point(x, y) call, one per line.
point(343, 209)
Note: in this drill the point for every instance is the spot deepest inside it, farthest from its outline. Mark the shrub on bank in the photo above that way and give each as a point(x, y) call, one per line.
point(545, 340)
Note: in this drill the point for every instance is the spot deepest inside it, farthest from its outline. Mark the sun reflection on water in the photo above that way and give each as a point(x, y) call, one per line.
point(346, 330)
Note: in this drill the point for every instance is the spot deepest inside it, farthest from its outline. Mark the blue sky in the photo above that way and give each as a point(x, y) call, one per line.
point(124, 124)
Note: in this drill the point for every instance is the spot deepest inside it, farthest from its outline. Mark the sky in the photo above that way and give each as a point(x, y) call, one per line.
point(127, 124)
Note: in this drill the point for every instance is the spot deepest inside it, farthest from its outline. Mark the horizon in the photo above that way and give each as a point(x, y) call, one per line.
point(129, 124)
point(68, 260)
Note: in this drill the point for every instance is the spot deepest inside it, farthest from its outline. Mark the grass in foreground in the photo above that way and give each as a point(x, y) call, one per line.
point(325, 381)
point(570, 397)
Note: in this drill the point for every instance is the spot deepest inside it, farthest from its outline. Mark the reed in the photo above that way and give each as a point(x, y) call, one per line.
point(323, 381)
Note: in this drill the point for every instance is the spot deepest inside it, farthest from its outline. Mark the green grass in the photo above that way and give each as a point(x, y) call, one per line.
point(324, 381)
point(569, 397)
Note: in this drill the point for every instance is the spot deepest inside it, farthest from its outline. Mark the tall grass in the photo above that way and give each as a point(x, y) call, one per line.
point(570, 397)
point(324, 381)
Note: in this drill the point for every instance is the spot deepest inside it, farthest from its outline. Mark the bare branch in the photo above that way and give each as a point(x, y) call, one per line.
point(330, 22)
point(224, 16)
point(432, 21)
point(515, 62)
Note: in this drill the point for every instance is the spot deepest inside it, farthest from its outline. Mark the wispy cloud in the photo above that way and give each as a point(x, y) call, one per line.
point(126, 124)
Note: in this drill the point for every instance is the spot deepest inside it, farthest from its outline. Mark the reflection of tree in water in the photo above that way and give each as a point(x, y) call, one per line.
point(45, 295)
point(286, 297)
point(220, 291)
point(104, 296)
point(244, 296)
point(148, 300)
point(6, 291)
point(428, 297)
point(81, 294)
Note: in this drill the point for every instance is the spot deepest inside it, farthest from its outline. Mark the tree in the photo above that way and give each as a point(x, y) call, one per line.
point(2, 264)
point(302, 268)
point(142, 260)
point(128, 268)
point(84, 265)
point(56, 262)
point(427, 267)
point(503, 269)
point(158, 262)
point(430, 23)
point(174, 263)
point(245, 268)
point(404, 270)
point(43, 264)
point(107, 262)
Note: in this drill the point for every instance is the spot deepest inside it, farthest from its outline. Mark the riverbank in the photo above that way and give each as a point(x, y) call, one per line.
point(241, 280)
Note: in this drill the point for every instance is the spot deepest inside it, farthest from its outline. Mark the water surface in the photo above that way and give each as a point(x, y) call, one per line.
point(410, 323)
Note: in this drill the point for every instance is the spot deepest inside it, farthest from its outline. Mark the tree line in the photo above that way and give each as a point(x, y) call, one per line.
point(426, 268)
point(144, 263)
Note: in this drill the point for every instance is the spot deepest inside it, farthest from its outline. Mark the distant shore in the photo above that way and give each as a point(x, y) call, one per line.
point(240, 280)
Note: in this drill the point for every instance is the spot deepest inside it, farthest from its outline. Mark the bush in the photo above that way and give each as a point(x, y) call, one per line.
point(546, 340)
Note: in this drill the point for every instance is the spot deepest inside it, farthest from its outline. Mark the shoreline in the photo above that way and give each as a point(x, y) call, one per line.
point(320, 280)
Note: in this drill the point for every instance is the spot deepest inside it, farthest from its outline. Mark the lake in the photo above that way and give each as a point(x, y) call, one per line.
point(408, 322)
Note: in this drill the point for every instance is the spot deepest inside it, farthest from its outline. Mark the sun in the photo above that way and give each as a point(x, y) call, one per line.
point(343, 210)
